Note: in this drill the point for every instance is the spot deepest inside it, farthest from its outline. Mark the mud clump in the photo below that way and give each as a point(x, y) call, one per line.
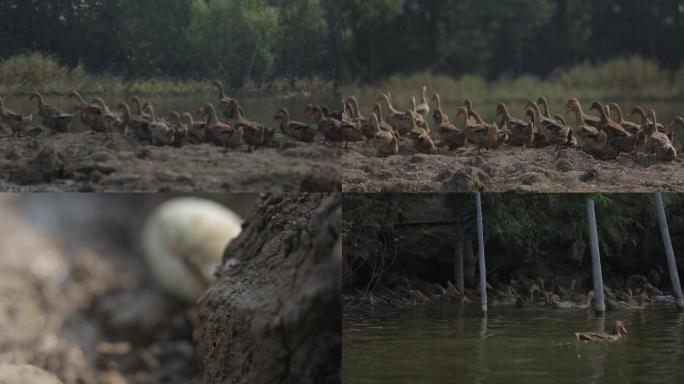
point(274, 314)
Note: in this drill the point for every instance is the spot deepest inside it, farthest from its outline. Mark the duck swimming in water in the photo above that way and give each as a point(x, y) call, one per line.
point(619, 330)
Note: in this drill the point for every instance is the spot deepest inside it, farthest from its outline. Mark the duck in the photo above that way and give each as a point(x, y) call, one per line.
point(627, 303)
point(16, 122)
point(638, 110)
point(449, 134)
point(139, 126)
point(633, 128)
point(424, 107)
point(87, 113)
point(619, 331)
point(420, 120)
point(554, 301)
point(385, 143)
point(255, 135)
point(54, 118)
point(223, 100)
point(552, 131)
point(333, 129)
point(180, 129)
point(296, 130)
point(422, 141)
point(221, 133)
point(197, 130)
point(140, 109)
point(398, 120)
point(106, 121)
point(618, 138)
point(543, 103)
point(520, 133)
point(662, 147)
point(481, 134)
point(161, 133)
point(574, 105)
point(501, 134)
point(377, 109)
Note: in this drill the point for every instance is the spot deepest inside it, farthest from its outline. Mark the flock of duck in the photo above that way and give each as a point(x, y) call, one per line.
point(528, 292)
point(603, 136)
point(231, 131)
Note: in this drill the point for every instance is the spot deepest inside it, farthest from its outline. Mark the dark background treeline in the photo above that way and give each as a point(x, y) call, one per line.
point(494, 37)
point(236, 40)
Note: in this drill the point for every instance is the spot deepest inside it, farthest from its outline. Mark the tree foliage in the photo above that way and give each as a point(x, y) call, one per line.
point(494, 37)
point(236, 40)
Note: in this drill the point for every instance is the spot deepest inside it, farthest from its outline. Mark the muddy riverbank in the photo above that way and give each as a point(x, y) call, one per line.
point(116, 163)
point(507, 169)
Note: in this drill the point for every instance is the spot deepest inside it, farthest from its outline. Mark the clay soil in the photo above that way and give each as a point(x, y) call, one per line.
point(507, 169)
point(99, 163)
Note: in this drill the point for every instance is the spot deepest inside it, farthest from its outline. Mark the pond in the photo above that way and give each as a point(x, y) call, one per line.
point(452, 344)
point(260, 109)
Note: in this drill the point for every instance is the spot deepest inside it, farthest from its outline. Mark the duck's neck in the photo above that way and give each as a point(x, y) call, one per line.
point(536, 111)
point(507, 115)
point(126, 111)
point(545, 105)
point(41, 101)
point(378, 112)
point(188, 117)
point(618, 111)
point(219, 86)
point(640, 111)
point(424, 96)
point(138, 106)
point(79, 97)
point(213, 118)
point(604, 116)
point(390, 108)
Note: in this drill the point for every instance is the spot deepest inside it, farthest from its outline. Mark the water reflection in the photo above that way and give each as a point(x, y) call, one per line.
point(450, 343)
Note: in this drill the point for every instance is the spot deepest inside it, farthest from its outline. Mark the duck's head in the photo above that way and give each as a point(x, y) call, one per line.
point(572, 105)
point(678, 121)
point(499, 109)
point(597, 107)
point(619, 328)
point(468, 104)
point(281, 114)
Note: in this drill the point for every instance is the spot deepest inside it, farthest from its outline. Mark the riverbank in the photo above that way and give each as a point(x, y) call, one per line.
point(81, 162)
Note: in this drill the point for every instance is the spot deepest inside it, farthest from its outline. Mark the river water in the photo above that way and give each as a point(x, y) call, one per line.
point(448, 343)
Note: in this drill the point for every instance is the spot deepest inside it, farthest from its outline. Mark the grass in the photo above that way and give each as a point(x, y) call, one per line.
point(628, 78)
point(23, 74)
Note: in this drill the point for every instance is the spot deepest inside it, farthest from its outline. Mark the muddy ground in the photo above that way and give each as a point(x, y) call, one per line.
point(274, 313)
point(81, 162)
point(76, 298)
point(507, 169)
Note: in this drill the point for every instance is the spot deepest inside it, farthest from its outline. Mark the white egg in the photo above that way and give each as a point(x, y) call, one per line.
point(184, 240)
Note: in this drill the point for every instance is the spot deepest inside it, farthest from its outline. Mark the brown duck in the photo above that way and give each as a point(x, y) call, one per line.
point(618, 138)
point(220, 133)
point(483, 135)
point(17, 123)
point(662, 147)
point(54, 118)
point(520, 132)
point(619, 331)
point(296, 130)
point(255, 135)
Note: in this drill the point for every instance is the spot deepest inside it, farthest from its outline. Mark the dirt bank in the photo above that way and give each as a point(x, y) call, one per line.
point(507, 169)
point(97, 163)
point(274, 315)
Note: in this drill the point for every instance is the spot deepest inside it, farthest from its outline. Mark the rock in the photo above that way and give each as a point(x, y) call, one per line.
point(26, 374)
point(274, 314)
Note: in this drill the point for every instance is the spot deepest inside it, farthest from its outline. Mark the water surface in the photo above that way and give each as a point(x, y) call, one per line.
point(452, 344)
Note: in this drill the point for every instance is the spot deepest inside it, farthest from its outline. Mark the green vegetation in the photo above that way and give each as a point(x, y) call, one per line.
point(517, 48)
point(120, 44)
point(525, 234)
point(24, 73)
point(621, 79)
